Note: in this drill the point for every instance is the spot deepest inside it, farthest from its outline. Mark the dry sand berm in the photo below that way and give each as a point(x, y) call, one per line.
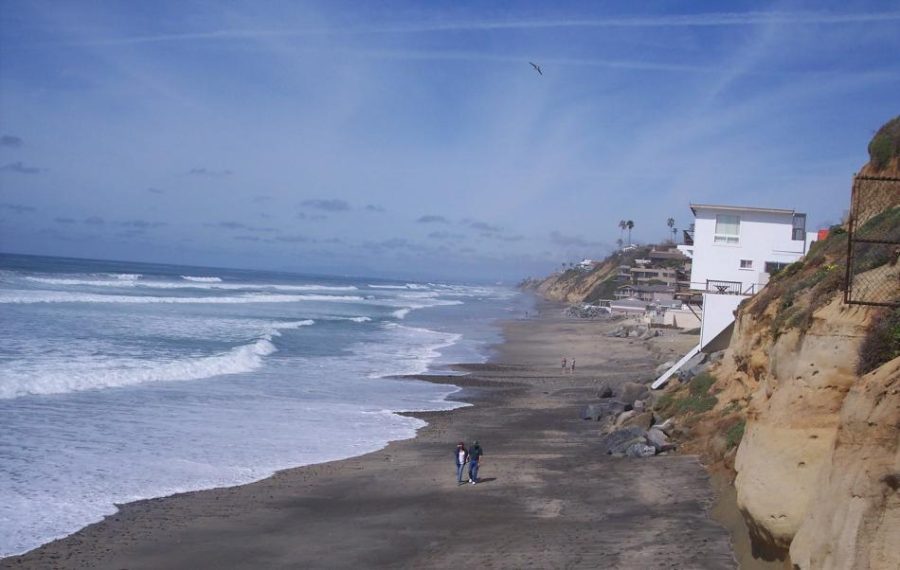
point(549, 498)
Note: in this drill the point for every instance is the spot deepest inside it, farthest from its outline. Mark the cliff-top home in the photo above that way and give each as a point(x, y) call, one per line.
point(734, 250)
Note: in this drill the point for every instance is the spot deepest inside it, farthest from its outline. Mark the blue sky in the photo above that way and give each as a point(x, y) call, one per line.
point(413, 139)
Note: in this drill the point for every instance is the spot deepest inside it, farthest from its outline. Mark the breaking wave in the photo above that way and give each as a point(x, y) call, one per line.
point(110, 372)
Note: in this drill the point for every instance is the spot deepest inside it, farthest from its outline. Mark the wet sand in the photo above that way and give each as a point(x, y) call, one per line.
point(548, 497)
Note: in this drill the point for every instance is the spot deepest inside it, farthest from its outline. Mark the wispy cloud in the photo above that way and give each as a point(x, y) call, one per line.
point(209, 173)
point(20, 167)
point(11, 141)
point(293, 238)
point(64, 220)
point(141, 225)
point(701, 20)
point(482, 226)
point(374, 208)
point(94, 221)
point(569, 240)
point(328, 205)
point(433, 220)
point(445, 236)
point(233, 225)
point(156, 191)
point(17, 208)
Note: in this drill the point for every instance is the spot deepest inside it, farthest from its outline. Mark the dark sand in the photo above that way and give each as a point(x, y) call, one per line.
point(548, 499)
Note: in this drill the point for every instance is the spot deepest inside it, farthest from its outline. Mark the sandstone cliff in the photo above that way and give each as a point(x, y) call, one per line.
point(580, 286)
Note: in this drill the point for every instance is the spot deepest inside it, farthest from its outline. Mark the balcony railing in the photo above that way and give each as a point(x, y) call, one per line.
point(719, 287)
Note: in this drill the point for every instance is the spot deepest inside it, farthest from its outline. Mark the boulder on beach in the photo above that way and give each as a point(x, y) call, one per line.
point(599, 410)
point(657, 438)
point(624, 417)
point(642, 420)
point(661, 369)
point(640, 450)
point(605, 391)
point(631, 391)
point(666, 427)
point(618, 441)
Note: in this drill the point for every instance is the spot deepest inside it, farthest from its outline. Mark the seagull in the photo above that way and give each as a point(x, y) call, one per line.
point(536, 67)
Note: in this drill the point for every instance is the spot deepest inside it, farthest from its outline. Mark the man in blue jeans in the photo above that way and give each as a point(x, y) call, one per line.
point(474, 459)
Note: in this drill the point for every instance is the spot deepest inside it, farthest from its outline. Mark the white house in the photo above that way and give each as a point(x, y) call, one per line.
point(734, 250)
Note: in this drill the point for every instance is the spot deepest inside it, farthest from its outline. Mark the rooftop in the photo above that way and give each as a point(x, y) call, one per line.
point(695, 207)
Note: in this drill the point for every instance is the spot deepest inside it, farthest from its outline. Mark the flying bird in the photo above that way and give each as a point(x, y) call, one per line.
point(536, 67)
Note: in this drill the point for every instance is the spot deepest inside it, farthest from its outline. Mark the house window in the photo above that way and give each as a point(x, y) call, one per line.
point(728, 229)
point(746, 264)
point(798, 231)
point(773, 267)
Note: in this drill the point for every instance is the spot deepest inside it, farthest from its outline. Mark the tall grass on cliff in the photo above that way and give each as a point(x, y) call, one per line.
point(805, 286)
point(882, 342)
point(885, 145)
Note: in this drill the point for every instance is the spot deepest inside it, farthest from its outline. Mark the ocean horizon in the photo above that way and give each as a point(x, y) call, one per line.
point(123, 381)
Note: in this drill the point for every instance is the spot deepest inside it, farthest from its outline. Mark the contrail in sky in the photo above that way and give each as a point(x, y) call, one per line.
point(665, 21)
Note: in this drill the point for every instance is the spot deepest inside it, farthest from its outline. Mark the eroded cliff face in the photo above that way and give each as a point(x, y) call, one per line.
point(575, 286)
point(794, 388)
point(818, 466)
point(853, 517)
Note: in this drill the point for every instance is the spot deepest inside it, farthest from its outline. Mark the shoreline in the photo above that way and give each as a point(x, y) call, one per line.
point(545, 500)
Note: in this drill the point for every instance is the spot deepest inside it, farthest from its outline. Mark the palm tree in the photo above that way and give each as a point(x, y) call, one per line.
point(621, 228)
point(671, 223)
point(629, 224)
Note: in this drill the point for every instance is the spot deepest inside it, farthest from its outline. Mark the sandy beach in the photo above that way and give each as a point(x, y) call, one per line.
point(548, 498)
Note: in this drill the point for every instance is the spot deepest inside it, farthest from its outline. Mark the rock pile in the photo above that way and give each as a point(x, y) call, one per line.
point(628, 428)
point(586, 311)
point(642, 332)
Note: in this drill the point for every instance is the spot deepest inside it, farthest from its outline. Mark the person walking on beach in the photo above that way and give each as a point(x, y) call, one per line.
point(474, 460)
point(462, 457)
point(573, 366)
point(564, 364)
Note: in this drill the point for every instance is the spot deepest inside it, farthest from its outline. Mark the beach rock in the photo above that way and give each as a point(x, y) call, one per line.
point(618, 441)
point(660, 370)
point(657, 438)
point(640, 450)
point(631, 391)
point(624, 416)
point(607, 408)
point(641, 420)
point(666, 427)
point(605, 392)
point(640, 405)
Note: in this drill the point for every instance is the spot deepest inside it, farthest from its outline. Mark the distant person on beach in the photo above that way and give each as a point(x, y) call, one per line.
point(474, 459)
point(462, 457)
point(564, 364)
point(573, 366)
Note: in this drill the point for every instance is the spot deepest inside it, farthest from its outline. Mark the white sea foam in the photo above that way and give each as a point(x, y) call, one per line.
point(125, 276)
point(211, 285)
point(387, 286)
point(401, 313)
point(67, 297)
point(202, 279)
point(90, 373)
point(408, 350)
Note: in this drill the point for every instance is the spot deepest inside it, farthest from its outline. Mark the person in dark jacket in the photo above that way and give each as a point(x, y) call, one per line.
point(474, 460)
point(462, 457)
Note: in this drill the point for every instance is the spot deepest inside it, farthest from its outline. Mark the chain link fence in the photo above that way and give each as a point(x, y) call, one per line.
point(873, 247)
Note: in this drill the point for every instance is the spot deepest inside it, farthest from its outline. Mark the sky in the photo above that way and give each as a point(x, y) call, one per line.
point(413, 139)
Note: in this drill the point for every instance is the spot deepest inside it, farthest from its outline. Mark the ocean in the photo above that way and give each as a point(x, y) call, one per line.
point(125, 381)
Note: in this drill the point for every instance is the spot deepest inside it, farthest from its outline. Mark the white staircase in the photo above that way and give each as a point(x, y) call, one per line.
point(675, 368)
